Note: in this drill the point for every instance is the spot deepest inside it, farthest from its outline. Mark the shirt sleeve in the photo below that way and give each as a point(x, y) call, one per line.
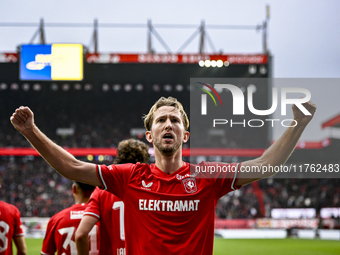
point(115, 178)
point(223, 176)
point(18, 231)
point(49, 246)
point(93, 206)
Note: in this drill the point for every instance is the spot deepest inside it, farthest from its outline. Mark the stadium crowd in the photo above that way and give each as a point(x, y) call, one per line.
point(279, 193)
point(37, 190)
point(85, 134)
point(112, 127)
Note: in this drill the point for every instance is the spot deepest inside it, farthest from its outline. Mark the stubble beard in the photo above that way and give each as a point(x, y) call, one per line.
point(166, 150)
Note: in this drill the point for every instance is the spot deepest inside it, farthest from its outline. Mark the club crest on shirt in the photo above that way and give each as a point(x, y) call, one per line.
point(190, 185)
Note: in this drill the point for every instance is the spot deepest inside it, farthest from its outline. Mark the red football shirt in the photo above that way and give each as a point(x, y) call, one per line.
point(61, 230)
point(110, 211)
point(168, 214)
point(10, 226)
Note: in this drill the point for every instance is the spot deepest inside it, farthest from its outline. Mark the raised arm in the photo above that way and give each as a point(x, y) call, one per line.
point(61, 160)
point(279, 152)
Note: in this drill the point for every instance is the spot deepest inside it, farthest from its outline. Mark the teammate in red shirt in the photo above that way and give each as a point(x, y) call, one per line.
point(108, 209)
point(169, 209)
point(11, 229)
point(62, 226)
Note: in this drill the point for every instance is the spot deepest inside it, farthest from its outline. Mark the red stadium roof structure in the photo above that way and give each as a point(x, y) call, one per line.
point(333, 122)
point(159, 58)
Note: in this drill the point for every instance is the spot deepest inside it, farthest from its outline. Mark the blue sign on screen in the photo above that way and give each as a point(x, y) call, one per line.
point(30, 69)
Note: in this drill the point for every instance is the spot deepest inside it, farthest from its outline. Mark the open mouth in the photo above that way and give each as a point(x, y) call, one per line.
point(168, 136)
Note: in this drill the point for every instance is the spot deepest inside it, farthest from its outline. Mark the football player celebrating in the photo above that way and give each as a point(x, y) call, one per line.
point(169, 209)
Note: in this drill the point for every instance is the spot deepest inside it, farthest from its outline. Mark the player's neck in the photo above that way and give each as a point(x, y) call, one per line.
point(81, 200)
point(169, 164)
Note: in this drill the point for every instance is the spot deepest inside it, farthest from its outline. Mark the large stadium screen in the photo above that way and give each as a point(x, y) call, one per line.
point(51, 62)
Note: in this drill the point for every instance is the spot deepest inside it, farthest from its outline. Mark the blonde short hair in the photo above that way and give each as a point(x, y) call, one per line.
point(170, 101)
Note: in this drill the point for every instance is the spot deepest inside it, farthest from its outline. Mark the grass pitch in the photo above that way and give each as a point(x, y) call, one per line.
point(33, 246)
point(276, 247)
point(249, 247)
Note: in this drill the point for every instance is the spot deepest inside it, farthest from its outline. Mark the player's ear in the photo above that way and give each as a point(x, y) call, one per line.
point(74, 188)
point(148, 136)
point(186, 136)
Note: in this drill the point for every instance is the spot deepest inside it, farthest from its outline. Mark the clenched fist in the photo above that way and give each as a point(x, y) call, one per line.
point(22, 119)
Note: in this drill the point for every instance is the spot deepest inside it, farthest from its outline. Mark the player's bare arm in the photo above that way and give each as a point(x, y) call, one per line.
point(82, 233)
point(279, 152)
point(61, 160)
point(20, 244)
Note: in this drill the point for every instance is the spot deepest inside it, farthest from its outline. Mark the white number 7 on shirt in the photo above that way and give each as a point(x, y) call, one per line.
point(116, 206)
